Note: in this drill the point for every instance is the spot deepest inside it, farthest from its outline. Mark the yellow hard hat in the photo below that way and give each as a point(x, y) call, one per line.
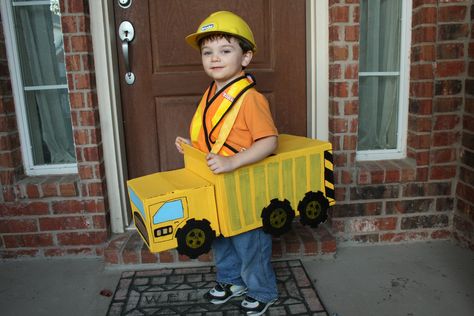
point(222, 22)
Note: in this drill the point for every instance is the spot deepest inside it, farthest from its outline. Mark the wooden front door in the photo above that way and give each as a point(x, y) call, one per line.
point(169, 79)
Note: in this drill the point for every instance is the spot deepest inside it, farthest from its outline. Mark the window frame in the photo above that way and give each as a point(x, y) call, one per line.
point(19, 91)
point(403, 96)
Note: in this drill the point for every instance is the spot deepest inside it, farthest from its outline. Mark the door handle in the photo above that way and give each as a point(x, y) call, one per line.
point(127, 34)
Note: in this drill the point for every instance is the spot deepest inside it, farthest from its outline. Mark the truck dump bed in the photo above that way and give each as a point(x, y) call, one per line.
point(299, 165)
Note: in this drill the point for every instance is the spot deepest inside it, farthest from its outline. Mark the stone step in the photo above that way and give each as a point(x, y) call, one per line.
point(129, 249)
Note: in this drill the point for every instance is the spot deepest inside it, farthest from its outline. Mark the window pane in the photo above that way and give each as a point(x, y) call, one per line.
point(49, 122)
point(380, 35)
point(378, 113)
point(40, 45)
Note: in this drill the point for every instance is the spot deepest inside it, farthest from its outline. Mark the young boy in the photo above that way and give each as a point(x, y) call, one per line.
point(227, 45)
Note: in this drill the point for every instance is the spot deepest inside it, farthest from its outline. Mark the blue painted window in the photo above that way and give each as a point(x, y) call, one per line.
point(169, 211)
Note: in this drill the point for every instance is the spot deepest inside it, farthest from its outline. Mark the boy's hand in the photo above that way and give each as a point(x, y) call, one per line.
point(180, 140)
point(220, 164)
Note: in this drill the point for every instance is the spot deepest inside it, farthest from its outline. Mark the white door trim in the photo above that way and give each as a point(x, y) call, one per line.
point(108, 94)
point(317, 52)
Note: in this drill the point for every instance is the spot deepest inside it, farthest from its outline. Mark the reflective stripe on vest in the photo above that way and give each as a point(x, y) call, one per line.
point(225, 115)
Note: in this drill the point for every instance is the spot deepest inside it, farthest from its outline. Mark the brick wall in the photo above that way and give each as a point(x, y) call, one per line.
point(56, 215)
point(412, 198)
point(464, 214)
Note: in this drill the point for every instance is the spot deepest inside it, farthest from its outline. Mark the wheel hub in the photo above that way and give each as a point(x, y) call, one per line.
point(313, 210)
point(195, 238)
point(278, 218)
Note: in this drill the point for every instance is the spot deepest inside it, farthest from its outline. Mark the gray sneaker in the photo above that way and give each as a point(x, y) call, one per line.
point(222, 292)
point(253, 307)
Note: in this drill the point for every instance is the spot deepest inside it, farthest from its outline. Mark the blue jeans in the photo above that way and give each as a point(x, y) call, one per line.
point(245, 260)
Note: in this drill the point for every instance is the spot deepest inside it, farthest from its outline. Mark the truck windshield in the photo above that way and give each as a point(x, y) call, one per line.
point(169, 211)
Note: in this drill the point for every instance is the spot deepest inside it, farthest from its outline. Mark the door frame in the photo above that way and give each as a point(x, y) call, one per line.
point(108, 94)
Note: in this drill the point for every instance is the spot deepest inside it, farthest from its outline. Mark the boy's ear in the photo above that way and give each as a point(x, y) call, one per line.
point(246, 58)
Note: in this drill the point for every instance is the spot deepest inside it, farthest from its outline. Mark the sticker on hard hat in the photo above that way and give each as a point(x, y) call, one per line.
point(207, 27)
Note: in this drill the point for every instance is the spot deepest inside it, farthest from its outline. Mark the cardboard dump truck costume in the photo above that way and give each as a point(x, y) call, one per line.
point(187, 208)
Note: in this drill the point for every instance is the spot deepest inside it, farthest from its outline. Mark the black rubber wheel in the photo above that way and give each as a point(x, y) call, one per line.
point(277, 217)
point(313, 209)
point(195, 238)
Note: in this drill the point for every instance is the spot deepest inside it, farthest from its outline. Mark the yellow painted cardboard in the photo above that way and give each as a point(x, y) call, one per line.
point(231, 202)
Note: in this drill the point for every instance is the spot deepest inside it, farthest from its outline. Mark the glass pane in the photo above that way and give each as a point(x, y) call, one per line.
point(40, 45)
point(378, 113)
point(380, 30)
point(49, 122)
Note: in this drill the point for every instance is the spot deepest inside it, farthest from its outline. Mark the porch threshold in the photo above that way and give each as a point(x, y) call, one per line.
point(129, 249)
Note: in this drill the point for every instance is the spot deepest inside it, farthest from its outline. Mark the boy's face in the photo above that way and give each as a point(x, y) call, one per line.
point(223, 60)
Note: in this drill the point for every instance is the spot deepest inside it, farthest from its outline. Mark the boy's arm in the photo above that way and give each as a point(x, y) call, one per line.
point(259, 150)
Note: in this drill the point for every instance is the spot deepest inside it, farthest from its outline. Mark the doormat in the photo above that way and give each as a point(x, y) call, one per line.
point(180, 292)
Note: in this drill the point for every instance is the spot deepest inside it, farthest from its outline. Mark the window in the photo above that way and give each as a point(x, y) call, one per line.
point(383, 78)
point(35, 48)
point(169, 211)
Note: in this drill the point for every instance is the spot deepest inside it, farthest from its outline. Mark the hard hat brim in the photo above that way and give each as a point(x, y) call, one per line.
point(193, 39)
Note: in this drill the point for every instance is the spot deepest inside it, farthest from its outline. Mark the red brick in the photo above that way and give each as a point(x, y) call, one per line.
point(451, 104)
point(424, 52)
point(350, 142)
point(450, 68)
point(68, 189)
point(448, 87)
point(446, 122)
point(338, 53)
point(86, 172)
point(356, 14)
point(18, 225)
point(419, 141)
point(80, 43)
point(83, 81)
point(445, 138)
point(91, 153)
point(166, 256)
point(82, 238)
point(335, 71)
point(32, 191)
point(442, 172)
point(338, 14)
point(27, 209)
point(450, 51)
point(448, 32)
point(441, 234)
point(95, 206)
point(424, 34)
point(421, 89)
point(68, 24)
point(18, 253)
point(28, 240)
point(68, 207)
point(426, 15)
point(49, 189)
point(99, 222)
point(351, 33)
point(64, 223)
point(76, 6)
point(338, 89)
point(351, 107)
point(421, 71)
point(352, 71)
point(95, 189)
point(443, 155)
point(338, 125)
point(421, 106)
point(334, 33)
point(452, 13)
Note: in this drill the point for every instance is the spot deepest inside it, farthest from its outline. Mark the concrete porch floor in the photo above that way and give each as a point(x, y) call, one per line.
point(417, 279)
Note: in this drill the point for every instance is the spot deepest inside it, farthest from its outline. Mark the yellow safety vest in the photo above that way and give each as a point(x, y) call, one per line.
point(230, 98)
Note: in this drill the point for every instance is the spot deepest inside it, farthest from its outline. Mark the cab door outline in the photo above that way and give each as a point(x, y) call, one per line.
point(166, 217)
